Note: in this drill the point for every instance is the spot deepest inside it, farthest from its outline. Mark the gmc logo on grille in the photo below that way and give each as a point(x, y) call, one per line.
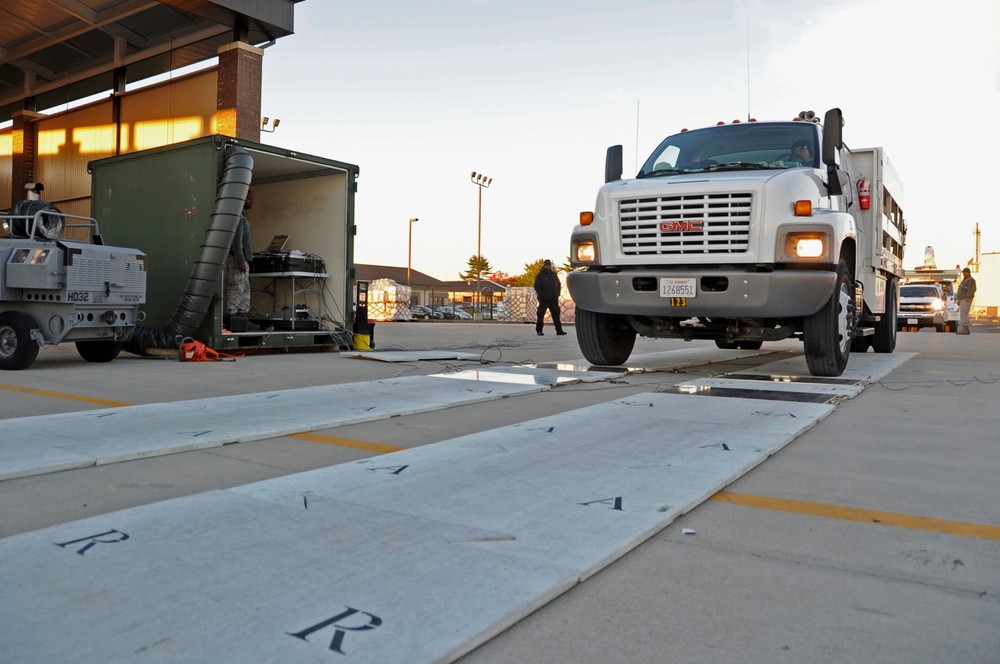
point(681, 226)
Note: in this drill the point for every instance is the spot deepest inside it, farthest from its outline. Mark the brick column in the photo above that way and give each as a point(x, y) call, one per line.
point(24, 151)
point(238, 105)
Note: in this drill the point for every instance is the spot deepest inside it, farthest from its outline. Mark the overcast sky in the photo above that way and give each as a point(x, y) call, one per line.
point(421, 93)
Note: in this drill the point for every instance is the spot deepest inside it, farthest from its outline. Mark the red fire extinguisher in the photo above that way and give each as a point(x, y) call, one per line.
point(864, 194)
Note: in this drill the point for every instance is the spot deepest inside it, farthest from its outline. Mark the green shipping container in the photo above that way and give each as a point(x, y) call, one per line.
point(161, 202)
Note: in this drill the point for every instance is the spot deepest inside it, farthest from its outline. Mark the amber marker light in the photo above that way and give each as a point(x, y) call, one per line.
point(586, 218)
point(803, 208)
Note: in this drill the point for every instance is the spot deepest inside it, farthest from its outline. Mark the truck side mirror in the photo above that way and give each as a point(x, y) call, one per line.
point(833, 140)
point(613, 164)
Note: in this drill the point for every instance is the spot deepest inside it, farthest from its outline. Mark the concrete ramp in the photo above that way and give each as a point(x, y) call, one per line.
point(50, 443)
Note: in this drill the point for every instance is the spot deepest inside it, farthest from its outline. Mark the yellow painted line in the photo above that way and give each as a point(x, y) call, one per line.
point(62, 395)
point(346, 442)
point(961, 528)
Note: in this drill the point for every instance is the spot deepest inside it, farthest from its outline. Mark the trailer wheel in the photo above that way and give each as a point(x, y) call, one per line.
point(884, 340)
point(827, 333)
point(17, 349)
point(727, 345)
point(605, 339)
point(100, 350)
point(750, 345)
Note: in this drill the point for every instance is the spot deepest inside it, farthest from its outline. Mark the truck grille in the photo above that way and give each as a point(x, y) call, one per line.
point(918, 307)
point(655, 226)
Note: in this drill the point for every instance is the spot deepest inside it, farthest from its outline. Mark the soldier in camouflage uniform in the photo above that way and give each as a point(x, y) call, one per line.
point(238, 266)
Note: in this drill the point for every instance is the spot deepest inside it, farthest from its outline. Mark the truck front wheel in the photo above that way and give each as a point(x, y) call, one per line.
point(827, 333)
point(99, 350)
point(605, 339)
point(17, 349)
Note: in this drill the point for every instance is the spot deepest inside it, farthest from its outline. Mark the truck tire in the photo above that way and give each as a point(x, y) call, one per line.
point(727, 345)
point(884, 340)
point(606, 340)
point(750, 345)
point(100, 350)
point(17, 349)
point(827, 333)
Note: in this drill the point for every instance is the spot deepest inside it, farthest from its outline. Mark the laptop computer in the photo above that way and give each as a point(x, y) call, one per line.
point(277, 245)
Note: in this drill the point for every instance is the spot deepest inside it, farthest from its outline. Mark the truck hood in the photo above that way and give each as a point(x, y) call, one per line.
point(717, 180)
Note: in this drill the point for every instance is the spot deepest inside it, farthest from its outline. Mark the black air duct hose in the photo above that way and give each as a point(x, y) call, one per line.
point(207, 269)
point(50, 227)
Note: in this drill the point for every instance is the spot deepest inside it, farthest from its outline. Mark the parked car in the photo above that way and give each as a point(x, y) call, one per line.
point(452, 312)
point(921, 305)
point(420, 312)
point(445, 312)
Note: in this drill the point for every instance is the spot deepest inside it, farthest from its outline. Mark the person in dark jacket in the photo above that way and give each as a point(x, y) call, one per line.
point(966, 291)
point(547, 287)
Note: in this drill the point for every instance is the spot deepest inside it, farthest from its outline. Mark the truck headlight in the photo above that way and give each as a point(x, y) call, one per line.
point(937, 305)
point(586, 252)
point(803, 245)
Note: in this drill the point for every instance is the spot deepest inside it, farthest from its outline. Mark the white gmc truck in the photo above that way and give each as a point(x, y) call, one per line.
point(744, 233)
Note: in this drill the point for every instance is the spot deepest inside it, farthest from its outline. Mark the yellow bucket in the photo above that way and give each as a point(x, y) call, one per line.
point(362, 342)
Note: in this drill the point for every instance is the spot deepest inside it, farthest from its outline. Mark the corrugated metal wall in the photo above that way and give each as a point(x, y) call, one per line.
point(159, 115)
point(169, 114)
point(5, 166)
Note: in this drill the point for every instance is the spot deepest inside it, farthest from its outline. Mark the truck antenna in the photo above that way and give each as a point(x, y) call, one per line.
point(748, 69)
point(636, 135)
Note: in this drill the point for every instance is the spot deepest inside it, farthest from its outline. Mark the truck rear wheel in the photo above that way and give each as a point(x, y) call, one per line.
point(17, 349)
point(605, 339)
point(827, 333)
point(884, 340)
point(100, 350)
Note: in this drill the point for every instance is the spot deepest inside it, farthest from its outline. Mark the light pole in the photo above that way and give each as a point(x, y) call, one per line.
point(482, 182)
point(409, 253)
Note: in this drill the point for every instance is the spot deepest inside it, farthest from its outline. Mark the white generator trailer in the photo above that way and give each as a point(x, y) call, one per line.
point(55, 290)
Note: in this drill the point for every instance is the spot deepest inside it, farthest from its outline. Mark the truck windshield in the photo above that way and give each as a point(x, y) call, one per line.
point(735, 147)
point(919, 291)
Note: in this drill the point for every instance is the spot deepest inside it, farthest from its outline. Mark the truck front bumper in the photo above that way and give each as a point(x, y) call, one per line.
point(919, 319)
point(719, 293)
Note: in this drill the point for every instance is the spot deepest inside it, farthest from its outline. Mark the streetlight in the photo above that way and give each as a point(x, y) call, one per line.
point(409, 253)
point(482, 182)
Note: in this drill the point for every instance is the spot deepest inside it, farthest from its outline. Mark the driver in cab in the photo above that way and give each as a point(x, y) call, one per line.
point(801, 155)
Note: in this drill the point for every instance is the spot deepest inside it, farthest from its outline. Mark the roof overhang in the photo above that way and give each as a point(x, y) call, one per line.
point(54, 52)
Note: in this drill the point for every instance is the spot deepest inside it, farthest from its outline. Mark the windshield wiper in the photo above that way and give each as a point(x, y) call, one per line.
point(738, 166)
point(667, 171)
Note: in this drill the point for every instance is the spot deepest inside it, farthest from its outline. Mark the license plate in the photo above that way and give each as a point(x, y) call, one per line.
point(677, 288)
point(912, 321)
